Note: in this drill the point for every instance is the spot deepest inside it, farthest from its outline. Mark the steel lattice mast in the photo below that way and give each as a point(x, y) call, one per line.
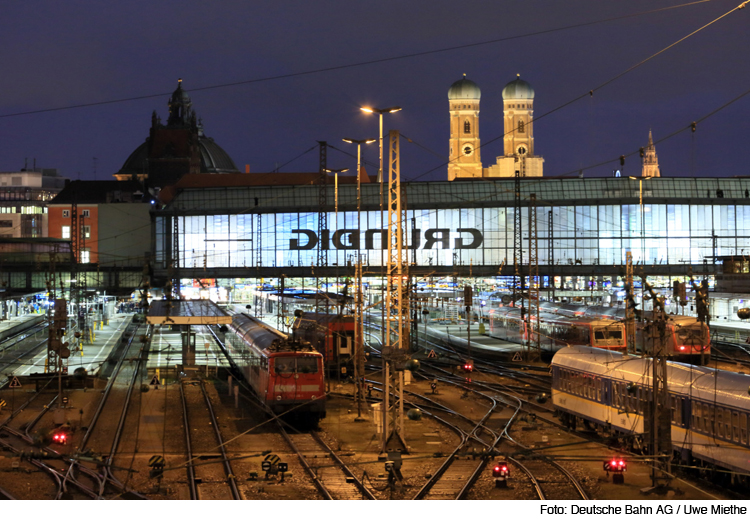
point(534, 280)
point(396, 349)
point(321, 301)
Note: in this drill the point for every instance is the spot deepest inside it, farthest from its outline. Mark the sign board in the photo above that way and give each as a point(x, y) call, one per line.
point(155, 380)
point(265, 465)
point(14, 383)
point(283, 467)
point(431, 355)
point(156, 461)
point(2, 404)
point(517, 357)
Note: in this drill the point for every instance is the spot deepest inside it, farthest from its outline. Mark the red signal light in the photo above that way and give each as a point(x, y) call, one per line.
point(468, 367)
point(500, 470)
point(616, 465)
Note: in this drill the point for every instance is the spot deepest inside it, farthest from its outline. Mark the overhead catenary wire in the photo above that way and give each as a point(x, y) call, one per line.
point(357, 64)
point(590, 93)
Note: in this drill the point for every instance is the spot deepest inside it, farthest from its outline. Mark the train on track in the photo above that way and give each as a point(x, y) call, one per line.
point(687, 339)
point(332, 335)
point(710, 409)
point(287, 375)
point(555, 331)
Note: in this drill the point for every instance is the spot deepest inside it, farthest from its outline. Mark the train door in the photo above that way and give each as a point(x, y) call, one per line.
point(345, 346)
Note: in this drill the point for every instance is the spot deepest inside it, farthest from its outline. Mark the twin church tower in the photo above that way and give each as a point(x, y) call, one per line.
point(518, 140)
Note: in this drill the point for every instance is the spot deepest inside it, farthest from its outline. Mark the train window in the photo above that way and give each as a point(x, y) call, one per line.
point(283, 365)
point(307, 364)
point(719, 422)
point(697, 416)
point(736, 427)
point(598, 382)
point(707, 419)
point(743, 429)
point(673, 407)
point(677, 410)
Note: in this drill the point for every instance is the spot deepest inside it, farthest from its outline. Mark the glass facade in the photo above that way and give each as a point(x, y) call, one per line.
point(658, 233)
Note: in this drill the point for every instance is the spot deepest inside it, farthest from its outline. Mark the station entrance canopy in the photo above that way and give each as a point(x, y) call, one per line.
point(187, 313)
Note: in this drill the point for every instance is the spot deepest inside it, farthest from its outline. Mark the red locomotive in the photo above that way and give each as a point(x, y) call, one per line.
point(332, 335)
point(285, 374)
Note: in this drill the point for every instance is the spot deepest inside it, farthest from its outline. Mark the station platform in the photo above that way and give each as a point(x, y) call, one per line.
point(460, 334)
point(166, 350)
point(93, 355)
point(10, 326)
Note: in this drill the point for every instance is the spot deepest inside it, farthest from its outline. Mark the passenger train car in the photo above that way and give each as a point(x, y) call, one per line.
point(710, 409)
point(687, 339)
point(285, 374)
point(555, 330)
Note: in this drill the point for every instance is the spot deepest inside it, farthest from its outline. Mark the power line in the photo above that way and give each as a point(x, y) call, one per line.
point(590, 93)
point(359, 64)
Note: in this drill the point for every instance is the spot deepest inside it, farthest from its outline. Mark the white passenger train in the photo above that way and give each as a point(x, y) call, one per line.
point(710, 409)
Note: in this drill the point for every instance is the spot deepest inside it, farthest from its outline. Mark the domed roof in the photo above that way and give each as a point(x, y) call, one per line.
point(464, 89)
point(518, 89)
point(214, 159)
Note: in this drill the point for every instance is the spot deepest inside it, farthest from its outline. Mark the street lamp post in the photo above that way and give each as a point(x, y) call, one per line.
point(380, 112)
point(336, 193)
point(643, 226)
point(359, 373)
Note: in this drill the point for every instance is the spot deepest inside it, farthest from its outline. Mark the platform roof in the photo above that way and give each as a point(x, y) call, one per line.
point(187, 313)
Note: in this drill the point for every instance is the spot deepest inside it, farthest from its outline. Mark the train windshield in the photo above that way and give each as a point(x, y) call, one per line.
point(602, 334)
point(690, 333)
point(302, 364)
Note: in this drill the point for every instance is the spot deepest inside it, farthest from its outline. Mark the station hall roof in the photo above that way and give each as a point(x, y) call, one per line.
point(187, 313)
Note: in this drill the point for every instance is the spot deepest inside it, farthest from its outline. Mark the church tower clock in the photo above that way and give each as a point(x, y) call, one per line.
point(465, 159)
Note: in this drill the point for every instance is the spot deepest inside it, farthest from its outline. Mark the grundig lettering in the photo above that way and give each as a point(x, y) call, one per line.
point(350, 239)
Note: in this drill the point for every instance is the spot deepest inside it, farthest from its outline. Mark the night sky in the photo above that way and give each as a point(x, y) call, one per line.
point(58, 54)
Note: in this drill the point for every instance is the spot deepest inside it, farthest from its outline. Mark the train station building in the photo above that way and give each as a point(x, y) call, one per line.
point(216, 224)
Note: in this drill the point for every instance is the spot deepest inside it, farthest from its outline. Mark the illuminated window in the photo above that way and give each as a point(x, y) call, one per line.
point(85, 256)
point(86, 232)
point(66, 213)
point(66, 231)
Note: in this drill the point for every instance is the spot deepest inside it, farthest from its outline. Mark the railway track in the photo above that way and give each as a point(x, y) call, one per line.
point(209, 471)
point(64, 483)
point(103, 436)
point(331, 476)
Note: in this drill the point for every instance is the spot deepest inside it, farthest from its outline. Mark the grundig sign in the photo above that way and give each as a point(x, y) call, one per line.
point(350, 239)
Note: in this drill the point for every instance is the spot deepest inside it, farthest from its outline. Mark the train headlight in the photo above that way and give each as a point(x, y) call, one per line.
point(278, 397)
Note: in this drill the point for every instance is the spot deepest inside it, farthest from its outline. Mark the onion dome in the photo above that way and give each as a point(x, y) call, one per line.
point(518, 89)
point(464, 89)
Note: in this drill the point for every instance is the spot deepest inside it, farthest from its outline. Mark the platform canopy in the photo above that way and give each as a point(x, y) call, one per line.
point(187, 313)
